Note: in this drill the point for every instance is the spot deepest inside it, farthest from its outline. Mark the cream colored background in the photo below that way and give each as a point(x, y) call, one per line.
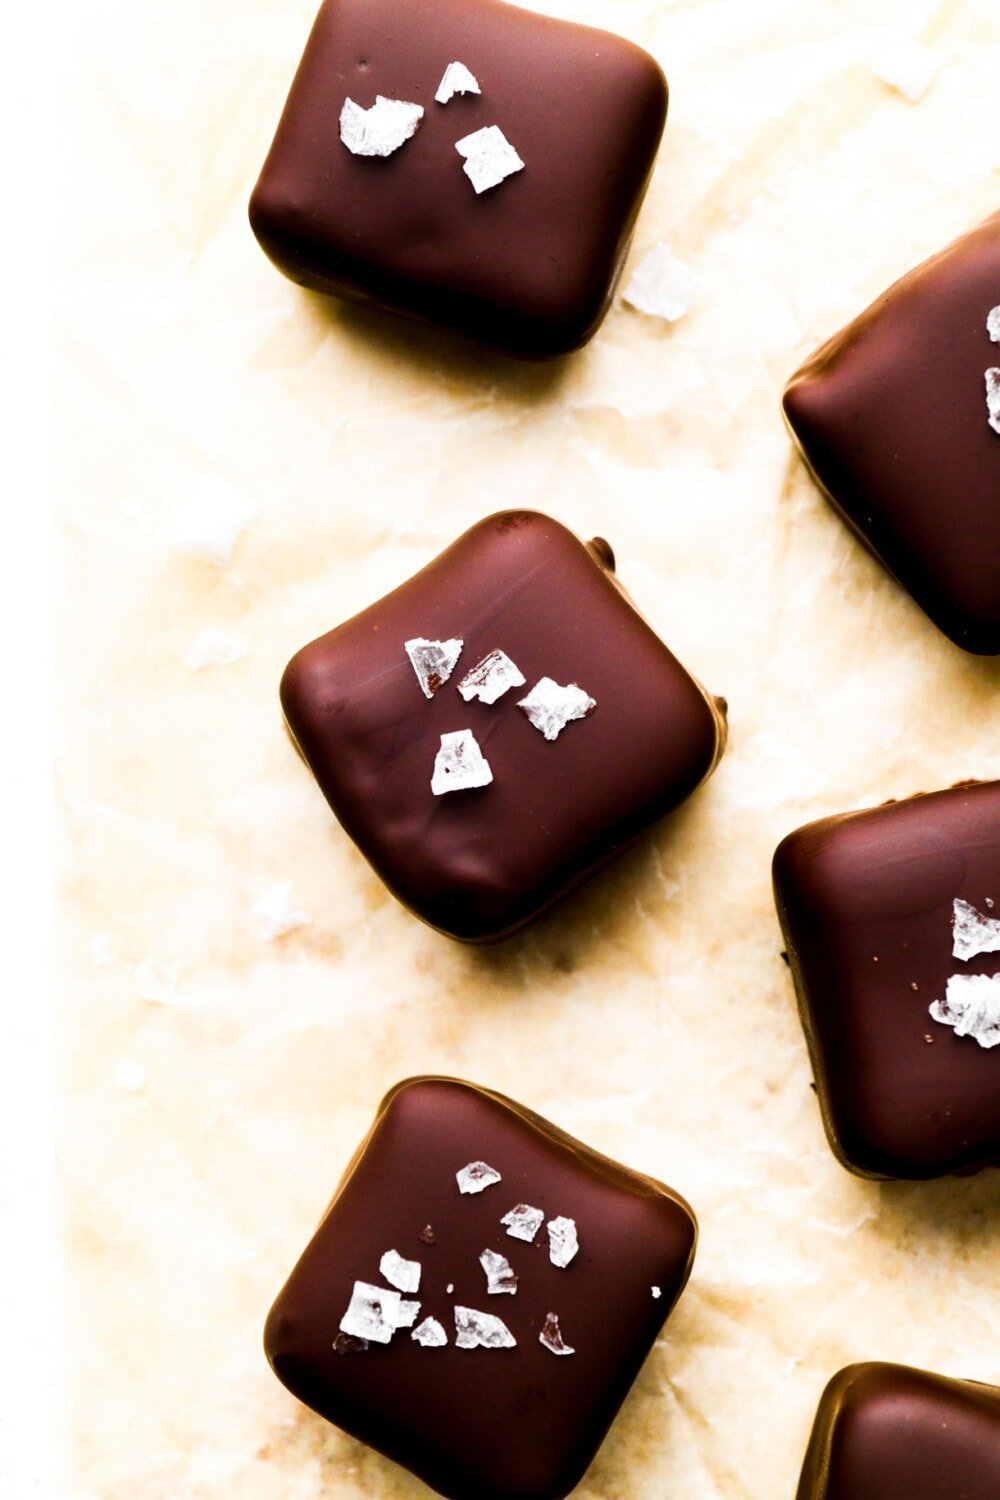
point(651, 1014)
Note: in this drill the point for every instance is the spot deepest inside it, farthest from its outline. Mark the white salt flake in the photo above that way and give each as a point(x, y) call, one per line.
point(972, 1006)
point(500, 1275)
point(450, 1288)
point(102, 951)
point(563, 1243)
point(433, 662)
point(430, 1334)
point(457, 80)
point(406, 1314)
point(657, 1292)
point(495, 675)
point(973, 933)
point(156, 982)
point(213, 648)
point(208, 524)
point(551, 1336)
point(479, 1330)
point(477, 1177)
point(523, 1222)
point(661, 286)
point(993, 324)
point(908, 67)
point(993, 397)
point(489, 158)
point(404, 1275)
point(550, 707)
point(380, 130)
point(460, 765)
point(373, 1313)
point(276, 914)
point(130, 1077)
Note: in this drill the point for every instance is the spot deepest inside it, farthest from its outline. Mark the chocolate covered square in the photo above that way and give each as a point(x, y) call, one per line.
point(898, 418)
point(478, 810)
point(480, 1294)
point(888, 1432)
point(527, 262)
point(892, 922)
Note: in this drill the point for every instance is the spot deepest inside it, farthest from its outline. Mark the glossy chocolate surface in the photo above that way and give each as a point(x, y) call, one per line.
point(887, 1432)
point(891, 417)
point(528, 266)
point(866, 903)
point(483, 1424)
point(479, 864)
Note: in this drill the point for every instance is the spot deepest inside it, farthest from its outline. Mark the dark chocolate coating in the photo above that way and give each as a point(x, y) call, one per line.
point(866, 902)
point(891, 418)
point(480, 864)
point(887, 1432)
point(528, 266)
point(483, 1424)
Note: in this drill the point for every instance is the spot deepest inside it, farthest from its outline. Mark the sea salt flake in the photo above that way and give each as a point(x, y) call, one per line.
point(495, 675)
point(908, 67)
point(457, 80)
point(460, 765)
point(489, 158)
point(102, 950)
point(500, 1275)
point(345, 1343)
point(661, 286)
point(450, 1288)
point(404, 1275)
point(972, 1006)
point(130, 1077)
point(563, 1243)
point(373, 1313)
point(550, 707)
point(551, 1336)
point(276, 914)
point(993, 397)
point(657, 1292)
point(156, 982)
point(430, 1334)
point(433, 662)
point(523, 1222)
point(380, 130)
point(479, 1330)
point(973, 933)
point(993, 324)
point(208, 524)
point(213, 648)
point(477, 1177)
point(406, 1314)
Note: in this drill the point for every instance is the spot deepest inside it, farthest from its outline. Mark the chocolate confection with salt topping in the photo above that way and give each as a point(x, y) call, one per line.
point(527, 264)
point(887, 1432)
point(480, 1294)
point(500, 726)
point(898, 417)
point(892, 921)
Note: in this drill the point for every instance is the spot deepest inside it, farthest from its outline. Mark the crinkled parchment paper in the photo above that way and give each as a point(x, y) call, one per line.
point(214, 1077)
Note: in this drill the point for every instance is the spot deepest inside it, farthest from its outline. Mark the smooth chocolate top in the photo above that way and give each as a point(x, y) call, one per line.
point(483, 1424)
point(886, 1432)
point(479, 864)
point(528, 266)
point(891, 417)
point(866, 903)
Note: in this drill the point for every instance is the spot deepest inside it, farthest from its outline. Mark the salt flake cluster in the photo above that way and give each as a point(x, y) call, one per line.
point(993, 375)
point(971, 1004)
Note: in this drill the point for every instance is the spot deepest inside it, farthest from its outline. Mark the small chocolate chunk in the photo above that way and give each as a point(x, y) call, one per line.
point(472, 1400)
point(893, 951)
point(888, 1432)
point(558, 125)
point(891, 418)
point(475, 814)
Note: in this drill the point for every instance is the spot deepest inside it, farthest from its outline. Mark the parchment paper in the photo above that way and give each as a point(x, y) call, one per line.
point(202, 1132)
